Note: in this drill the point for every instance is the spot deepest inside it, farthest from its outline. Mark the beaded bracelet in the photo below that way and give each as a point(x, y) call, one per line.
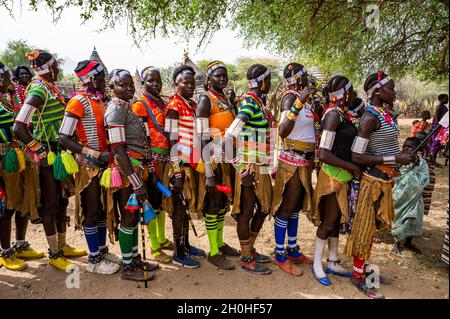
point(90, 152)
point(176, 167)
point(295, 110)
point(240, 167)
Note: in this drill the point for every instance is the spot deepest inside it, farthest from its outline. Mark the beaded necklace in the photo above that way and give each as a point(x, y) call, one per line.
point(379, 111)
point(51, 88)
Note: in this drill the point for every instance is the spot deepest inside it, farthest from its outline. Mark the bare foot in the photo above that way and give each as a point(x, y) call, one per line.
point(413, 248)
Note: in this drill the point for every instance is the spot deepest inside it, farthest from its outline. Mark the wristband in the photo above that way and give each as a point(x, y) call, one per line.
point(90, 152)
point(37, 148)
point(389, 160)
point(135, 181)
point(176, 167)
point(240, 167)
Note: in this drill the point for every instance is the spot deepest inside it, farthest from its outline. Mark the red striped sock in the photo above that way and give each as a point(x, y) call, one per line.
point(358, 269)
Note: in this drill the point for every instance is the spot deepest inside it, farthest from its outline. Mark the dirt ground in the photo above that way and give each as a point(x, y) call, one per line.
point(412, 275)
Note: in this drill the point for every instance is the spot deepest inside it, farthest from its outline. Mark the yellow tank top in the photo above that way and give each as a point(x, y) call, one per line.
point(221, 115)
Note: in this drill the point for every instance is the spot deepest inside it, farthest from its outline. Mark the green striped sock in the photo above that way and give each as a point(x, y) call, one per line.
point(153, 234)
point(135, 241)
point(126, 243)
point(220, 225)
point(161, 226)
point(211, 229)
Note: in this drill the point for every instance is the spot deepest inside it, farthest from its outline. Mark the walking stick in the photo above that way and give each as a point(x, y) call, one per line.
point(183, 201)
point(141, 210)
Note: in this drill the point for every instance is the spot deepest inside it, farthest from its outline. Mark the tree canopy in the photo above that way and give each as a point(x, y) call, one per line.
point(353, 36)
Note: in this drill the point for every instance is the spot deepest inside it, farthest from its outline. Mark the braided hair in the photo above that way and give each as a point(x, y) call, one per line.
point(114, 76)
point(291, 69)
point(255, 70)
point(180, 69)
point(336, 83)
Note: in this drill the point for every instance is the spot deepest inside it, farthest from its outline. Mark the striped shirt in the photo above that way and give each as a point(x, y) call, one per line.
point(51, 113)
point(187, 138)
point(384, 141)
point(256, 130)
point(90, 129)
point(6, 125)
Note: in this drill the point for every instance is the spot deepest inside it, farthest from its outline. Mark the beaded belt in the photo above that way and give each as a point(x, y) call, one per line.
point(160, 158)
point(3, 149)
point(295, 159)
point(299, 145)
point(336, 172)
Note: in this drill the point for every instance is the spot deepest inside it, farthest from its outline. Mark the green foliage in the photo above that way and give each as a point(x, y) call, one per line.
point(411, 35)
point(14, 53)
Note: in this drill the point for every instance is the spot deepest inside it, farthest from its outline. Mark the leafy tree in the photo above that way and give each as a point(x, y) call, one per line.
point(344, 35)
point(14, 53)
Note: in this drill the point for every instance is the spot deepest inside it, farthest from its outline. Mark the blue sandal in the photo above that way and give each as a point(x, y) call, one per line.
point(324, 281)
point(330, 271)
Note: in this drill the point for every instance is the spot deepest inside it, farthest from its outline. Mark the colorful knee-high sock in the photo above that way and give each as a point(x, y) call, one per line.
point(91, 233)
point(53, 243)
point(211, 229)
point(292, 230)
point(220, 225)
point(101, 225)
point(62, 240)
point(135, 242)
point(161, 226)
point(126, 243)
point(280, 227)
point(358, 269)
point(152, 229)
point(318, 253)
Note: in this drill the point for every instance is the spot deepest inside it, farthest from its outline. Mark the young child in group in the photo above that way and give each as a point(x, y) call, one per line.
point(423, 125)
point(408, 201)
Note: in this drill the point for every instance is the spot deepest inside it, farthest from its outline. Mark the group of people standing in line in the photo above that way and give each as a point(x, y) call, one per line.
point(213, 156)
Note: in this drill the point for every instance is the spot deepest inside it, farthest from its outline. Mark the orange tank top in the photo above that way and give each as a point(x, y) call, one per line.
point(221, 115)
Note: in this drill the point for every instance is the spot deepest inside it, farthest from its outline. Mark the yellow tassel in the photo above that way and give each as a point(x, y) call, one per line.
point(21, 159)
point(51, 156)
point(69, 162)
point(105, 180)
point(200, 167)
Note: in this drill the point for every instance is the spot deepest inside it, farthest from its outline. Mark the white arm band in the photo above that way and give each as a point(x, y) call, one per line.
point(390, 160)
point(68, 126)
point(327, 140)
point(147, 131)
point(202, 125)
point(360, 145)
point(171, 127)
point(116, 134)
point(26, 113)
point(235, 128)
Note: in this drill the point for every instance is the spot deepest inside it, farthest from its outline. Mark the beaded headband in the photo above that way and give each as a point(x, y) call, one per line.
point(183, 73)
point(339, 94)
point(253, 83)
point(115, 75)
point(377, 86)
point(92, 69)
point(293, 79)
point(44, 68)
point(359, 107)
point(145, 72)
point(215, 66)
